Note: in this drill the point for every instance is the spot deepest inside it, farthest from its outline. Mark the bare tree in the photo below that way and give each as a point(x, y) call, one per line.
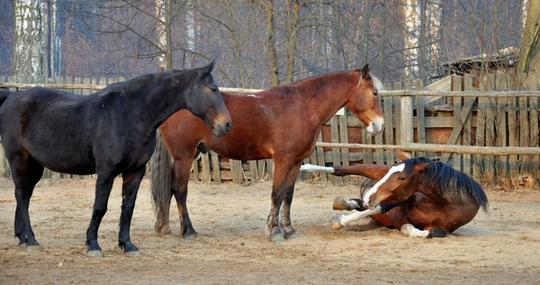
point(28, 51)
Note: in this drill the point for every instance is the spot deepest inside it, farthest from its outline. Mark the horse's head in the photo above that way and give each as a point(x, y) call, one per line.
point(206, 101)
point(363, 101)
point(396, 186)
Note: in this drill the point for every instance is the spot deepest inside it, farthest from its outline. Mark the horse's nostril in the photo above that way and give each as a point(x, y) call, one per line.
point(228, 126)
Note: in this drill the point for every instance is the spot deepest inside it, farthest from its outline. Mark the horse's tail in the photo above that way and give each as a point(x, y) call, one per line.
point(4, 93)
point(162, 188)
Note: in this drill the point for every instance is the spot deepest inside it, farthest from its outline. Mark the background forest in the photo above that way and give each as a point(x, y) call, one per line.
point(257, 43)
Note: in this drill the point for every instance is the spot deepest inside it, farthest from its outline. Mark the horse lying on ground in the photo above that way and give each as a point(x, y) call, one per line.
point(280, 123)
point(419, 196)
point(110, 132)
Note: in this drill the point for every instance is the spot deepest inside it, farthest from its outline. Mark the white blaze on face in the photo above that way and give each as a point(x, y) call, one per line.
point(375, 188)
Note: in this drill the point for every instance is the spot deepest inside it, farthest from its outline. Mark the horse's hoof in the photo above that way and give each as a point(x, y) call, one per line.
point(163, 230)
point(94, 253)
point(336, 223)
point(134, 253)
point(340, 204)
point(33, 248)
point(189, 233)
point(275, 235)
point(288, 232)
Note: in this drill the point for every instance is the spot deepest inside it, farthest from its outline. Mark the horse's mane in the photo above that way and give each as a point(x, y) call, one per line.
point(448, 181)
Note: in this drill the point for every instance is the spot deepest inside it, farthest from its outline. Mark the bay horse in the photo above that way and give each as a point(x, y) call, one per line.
point(110, 132)
point(419, 196)
point(281, 123)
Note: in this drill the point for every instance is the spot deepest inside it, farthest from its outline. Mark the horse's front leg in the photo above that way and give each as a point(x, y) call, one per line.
point(285, 220)
point(103, 190)
point(130, 187)
point(182, 169)
point(342, 220)
point(285, 174)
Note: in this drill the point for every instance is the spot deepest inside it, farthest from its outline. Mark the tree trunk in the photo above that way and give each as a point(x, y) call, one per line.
point(293, 21)
point(271, 52)
point(28, 51)
point(529, 61)
point(411, 38)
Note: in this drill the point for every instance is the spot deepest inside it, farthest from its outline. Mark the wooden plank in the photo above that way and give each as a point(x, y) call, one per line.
point(524, 128)
point(216, 170)
point(388, 107)
point(535, 128)
point(195, 169)
point(397, 112)
point(261, 167)
point(467, 125)
point(253, 170)
point(344, 138)
point(320, 156)
point(478, 166)
point(456, 161)
point(489, 162)
point(406, 120)
point(205, 165)
point(334, 137)
point(236, 171)
point(420, 116)
point(501, 124)
point(513, 135)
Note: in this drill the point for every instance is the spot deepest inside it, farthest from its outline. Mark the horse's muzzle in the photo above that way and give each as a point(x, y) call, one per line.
point(376, 126)
point(221, 129)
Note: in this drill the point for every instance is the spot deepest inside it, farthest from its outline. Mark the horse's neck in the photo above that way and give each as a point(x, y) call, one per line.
point(160, 102)
point(329, 95)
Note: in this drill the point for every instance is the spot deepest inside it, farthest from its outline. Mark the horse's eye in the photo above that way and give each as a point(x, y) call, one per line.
point(375, 92)
point(214, 89)
point(401, 177)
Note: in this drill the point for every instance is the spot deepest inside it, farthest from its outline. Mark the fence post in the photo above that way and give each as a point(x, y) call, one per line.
point(406, 120)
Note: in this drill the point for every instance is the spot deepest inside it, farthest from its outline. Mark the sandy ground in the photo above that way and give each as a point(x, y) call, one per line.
point(500, 248)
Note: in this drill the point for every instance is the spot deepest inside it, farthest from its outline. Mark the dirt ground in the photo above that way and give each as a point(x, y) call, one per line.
point(500, 248)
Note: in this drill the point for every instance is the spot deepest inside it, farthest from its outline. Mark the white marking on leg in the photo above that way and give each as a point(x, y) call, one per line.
point(352, 204)
point(375, 188)
point(345, 220)
point(316, 168)
point(412, 231)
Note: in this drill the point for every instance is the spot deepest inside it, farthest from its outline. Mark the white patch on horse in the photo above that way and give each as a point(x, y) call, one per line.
point(251, 95)
point(376, 125)
point(316, 168)
point(375, 188)
point(412, 231)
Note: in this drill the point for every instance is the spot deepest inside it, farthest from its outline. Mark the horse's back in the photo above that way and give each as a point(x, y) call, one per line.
point(52, 126)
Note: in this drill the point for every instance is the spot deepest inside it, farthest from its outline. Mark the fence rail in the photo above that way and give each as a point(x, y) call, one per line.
point(487, 131)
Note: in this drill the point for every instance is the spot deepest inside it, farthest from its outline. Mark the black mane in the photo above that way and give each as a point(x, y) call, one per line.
point(448, 181)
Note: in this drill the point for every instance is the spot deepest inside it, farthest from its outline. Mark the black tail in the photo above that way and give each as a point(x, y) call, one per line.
point(4, 93)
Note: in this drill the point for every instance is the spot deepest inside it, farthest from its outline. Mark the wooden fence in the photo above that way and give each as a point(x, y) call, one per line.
point(480, 127)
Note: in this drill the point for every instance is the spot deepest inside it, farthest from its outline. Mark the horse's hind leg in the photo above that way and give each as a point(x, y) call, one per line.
point(285, 221)
point(25, 172)
point(181, 175)
point(130, 187)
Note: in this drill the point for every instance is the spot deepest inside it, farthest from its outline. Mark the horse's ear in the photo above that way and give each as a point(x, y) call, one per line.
point(365, 71)
point(209, 67)
point(401, 155)
point(420, 167)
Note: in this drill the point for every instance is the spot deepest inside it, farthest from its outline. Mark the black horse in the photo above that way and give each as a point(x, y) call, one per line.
point(111, 132)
